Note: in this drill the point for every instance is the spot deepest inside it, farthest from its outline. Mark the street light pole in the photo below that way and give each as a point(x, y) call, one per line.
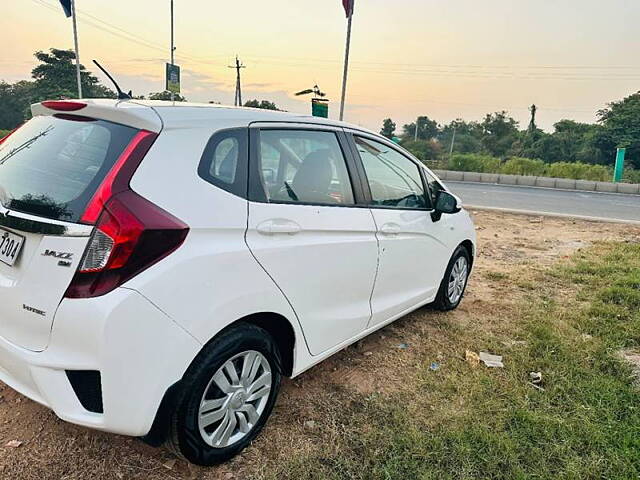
point(346, 61)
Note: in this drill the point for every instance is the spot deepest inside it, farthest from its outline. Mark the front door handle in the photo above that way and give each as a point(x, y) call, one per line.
point(390, 229)
point(272, 227)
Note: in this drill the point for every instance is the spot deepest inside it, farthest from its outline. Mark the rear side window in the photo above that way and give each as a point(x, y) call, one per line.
point(52, 165)
point(224, 161)
point(304, 166)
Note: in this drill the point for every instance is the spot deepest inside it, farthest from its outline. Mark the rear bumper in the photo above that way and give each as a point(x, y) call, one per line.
point(138, 350)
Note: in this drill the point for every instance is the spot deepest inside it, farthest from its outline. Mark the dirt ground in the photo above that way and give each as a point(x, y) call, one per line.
point(50, 448)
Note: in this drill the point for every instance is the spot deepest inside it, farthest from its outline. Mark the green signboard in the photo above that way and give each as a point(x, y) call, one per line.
point(619, 168)
point(173, 78)
point(319, 109)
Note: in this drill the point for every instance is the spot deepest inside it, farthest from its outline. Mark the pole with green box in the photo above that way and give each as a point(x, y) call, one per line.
point(619, 168)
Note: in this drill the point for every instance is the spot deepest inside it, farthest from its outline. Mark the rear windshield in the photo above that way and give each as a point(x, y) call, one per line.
point(52, 166)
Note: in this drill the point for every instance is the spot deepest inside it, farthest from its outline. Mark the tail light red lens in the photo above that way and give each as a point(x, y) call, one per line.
point(131, 233)
point(117, 180)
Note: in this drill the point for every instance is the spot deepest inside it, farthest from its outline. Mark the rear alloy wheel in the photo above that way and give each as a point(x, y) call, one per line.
point(226, 396)
point(454, 282)
point(235, 399)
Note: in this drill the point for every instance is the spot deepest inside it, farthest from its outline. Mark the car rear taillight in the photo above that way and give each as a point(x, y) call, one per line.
point(131, 233)
point(117, 180)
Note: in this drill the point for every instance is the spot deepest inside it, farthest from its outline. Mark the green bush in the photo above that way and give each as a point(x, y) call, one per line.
point(631, 176)
point(4, 133)
point(527, 166)
point(474, 162)
point(579, 171)
point(523, 166)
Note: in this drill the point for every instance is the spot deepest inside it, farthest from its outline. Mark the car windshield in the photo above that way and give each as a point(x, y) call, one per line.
point(52, 165)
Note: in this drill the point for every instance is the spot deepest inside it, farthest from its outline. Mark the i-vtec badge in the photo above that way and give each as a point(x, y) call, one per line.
point(34, 310)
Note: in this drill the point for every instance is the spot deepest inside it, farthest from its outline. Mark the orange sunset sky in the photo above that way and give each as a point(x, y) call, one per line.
point(445, 59)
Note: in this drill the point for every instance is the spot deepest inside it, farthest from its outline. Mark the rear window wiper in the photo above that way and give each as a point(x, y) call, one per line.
point(25, 145)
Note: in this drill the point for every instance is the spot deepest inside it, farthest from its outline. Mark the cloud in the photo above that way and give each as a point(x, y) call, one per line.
point(260, 85)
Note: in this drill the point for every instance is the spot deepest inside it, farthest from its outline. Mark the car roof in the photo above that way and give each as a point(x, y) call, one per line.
point(154, 114)
point(217, 111)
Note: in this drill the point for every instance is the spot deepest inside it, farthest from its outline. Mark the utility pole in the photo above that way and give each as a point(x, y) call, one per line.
point(453, 141)
point(238, 99)
point(415, 139)
point(532, 124)
point(75, 40)
point(173, 48)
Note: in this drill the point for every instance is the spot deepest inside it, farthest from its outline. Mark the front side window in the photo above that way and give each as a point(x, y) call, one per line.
point(394, 180)
point(304, 166)
point(224, 162)
point(434, 186)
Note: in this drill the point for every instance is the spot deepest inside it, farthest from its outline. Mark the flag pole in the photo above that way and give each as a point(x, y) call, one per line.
point(173, 49)
point(346, 61)
point(75, 40)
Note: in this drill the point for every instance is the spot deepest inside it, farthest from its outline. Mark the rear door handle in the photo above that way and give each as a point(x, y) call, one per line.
point(272, 227)
point(390, 229)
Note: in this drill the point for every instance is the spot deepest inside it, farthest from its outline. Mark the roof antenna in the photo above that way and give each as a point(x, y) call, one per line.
point(121, 94)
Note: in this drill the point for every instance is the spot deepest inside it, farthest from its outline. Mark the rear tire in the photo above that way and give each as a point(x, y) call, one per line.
point(227, 395)
point(454, 283)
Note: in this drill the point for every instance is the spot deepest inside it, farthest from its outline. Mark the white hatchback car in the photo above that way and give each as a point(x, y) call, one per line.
point(162, 266)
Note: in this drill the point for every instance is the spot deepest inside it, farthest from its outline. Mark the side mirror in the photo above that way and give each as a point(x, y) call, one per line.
point(445, 203)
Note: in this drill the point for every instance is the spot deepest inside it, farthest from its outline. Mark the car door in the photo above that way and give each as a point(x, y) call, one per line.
point(413, 255)
point(307, 231)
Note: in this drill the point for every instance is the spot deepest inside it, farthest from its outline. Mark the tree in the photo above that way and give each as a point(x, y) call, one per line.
point(427, 129)
point(264, 104)
point(15, 101)
point(423, 149)
point(388, 128)
point(499, 132)
point(55, 77)
point(166, 95)
point(621, 128)
point(468, 136)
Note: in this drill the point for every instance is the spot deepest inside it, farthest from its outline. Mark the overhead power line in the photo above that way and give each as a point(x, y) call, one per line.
point(533, 72)
point(116, 31)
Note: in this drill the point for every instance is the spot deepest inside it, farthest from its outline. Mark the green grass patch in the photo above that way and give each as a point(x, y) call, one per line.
point(462, 422)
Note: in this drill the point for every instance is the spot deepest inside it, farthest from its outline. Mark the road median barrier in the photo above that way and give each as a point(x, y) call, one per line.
point(543, 182)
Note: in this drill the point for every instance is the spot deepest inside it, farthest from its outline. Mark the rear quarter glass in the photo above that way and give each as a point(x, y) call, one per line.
point(52, 165)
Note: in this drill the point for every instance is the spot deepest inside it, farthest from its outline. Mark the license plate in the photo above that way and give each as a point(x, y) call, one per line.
point(10, 246)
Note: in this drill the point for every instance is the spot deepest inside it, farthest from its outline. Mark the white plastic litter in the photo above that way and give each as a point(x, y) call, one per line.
point(492, 361)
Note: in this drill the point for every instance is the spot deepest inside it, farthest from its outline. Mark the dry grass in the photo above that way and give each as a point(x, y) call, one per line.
point(346, 398)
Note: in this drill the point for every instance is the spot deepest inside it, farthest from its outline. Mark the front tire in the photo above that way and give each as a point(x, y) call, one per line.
point(227, 395)
point(454, 283)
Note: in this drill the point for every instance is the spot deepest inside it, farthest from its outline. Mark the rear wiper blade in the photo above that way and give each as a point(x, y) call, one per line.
point(25, 145)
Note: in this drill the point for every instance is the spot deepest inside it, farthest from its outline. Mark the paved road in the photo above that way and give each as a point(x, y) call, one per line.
point(587, 204)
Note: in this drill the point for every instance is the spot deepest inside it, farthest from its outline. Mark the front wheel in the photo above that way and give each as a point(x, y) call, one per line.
point(454, 282)
point(227, 396)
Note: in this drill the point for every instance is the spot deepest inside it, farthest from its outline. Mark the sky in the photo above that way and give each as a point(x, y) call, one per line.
point(446, 59)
